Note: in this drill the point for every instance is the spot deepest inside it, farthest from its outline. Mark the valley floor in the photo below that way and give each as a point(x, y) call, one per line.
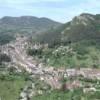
point(47, 83)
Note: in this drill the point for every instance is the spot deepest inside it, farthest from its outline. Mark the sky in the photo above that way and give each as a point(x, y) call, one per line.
point(58, 10)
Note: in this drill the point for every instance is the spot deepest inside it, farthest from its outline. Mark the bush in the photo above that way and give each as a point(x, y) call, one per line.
point(32, 52)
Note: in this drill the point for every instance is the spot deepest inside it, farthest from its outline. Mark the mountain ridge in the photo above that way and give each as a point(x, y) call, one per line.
point(83, 27)
point(24, 25)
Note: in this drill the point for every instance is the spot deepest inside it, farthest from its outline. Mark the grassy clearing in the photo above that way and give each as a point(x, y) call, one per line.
point(69, 95)
point(10, 86)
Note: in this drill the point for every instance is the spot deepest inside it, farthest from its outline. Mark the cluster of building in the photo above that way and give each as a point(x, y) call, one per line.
point(52, 76)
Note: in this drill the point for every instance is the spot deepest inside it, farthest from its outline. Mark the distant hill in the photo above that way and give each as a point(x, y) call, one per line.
point(27, 25)
point(82, 27)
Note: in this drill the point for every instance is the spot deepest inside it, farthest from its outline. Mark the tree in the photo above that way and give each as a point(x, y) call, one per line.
point(4, 58)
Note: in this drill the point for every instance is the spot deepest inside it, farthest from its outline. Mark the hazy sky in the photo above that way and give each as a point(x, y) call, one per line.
point(59, 10)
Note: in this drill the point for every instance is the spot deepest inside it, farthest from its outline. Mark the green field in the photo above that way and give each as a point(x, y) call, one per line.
point(69, 95)
point(10, 86)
